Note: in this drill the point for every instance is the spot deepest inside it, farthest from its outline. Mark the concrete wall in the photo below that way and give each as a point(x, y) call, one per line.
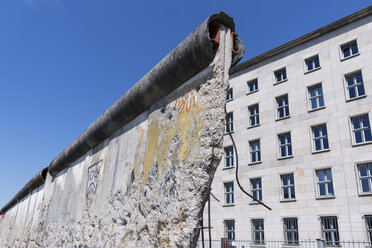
point(143, 186)
point(348, 205)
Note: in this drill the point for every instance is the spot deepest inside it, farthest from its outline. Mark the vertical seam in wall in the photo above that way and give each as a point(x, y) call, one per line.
point(116, 165)
point(340, 142)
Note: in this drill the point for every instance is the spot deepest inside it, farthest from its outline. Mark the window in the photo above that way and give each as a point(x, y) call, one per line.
point(288, 189)
point(229, 193)
point(280, 75)
point(229, 156)
point(316, 97)
point(230, 229)
point(312, 63)
point(325, 182)
point(255, 151)
point(254, 117)
point(349, 49)
point(258, 235)
point(290, 231)
point(368, 219)
point(285, 145)
point(354, 85)
point(320, 138)
point(330, 231)
point(282, 106)
point(229, 95)
point(361, 129)
point(365, 177)
point(230, 123)
point(252, 86)
point(256, 187)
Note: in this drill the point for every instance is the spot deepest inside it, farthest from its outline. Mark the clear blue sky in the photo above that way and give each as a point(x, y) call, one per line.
point(64, 62)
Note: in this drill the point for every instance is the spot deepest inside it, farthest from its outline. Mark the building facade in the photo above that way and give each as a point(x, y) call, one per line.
point(301, 117)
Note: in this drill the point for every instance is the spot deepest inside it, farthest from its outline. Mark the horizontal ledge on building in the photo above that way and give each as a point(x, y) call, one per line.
point(316, 69)
point(287, 157)
point(276, 83)
point(315, 109)
point(228, 168)
point(288, 200)
point(362, 144)
point(349, 57)
point(254, 126)
point(321, 151)
point(251, 92)
point(228, 205)
point(325, 197)
point(283, 118)
point(254, 163)
point(356, 98)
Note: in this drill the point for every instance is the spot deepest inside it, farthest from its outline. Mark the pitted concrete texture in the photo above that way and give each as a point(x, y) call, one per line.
point(144, 186)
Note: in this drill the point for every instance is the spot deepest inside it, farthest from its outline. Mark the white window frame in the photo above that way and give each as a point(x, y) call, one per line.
point(228, 98)
point(322, 137)
point(260, 232)
point(228, 195)
point(256, 189)
point(290, 187)
point(325, 182)
point(309, 97)
point(368, 178)
point(291, 237)
point(229, 158)
point(332, 230)
point(348, 43)
point(353, 140)
point(312, 58)
point(230, 122)
point(287, 115)
point(255, 116)
point(228, 229)
point(250, 82)
point(346, 87)
point(280, 155)
point(282, 79)
point(257, 152)
point(368, 224)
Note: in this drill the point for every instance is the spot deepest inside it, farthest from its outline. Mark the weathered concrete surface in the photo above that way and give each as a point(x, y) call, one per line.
point(145, 185)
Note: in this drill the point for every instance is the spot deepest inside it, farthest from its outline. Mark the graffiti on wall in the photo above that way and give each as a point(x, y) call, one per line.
point(93, 176)
point(189, 100)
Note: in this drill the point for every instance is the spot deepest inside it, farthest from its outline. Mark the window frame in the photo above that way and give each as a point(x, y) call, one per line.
point(229, 160)
point(352, 132)
point(260, 231)
point(313, 138)
point(309, 98)
point(256, 116)
point(226, 229)
point(348, 43)
point(369, 178)
point(229, 194)
point(317, 184)
point(258, 189)
point(229, 99)
point(368, 225)
point(311, 58)
point(293, 232)
point(230, 122)
point(251, 151)
point(280, 70)
point(335, 232)
point(286, 144)
point(346, 87)
point(290, 186)
point(255, 80)
point(288, 115)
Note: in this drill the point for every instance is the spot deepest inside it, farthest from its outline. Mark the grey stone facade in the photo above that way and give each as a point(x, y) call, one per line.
point(345, 200)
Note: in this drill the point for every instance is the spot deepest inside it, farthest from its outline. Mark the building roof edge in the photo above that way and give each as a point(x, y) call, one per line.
point(305, 38)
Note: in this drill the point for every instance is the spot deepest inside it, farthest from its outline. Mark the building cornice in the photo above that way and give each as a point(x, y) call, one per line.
point(305, 38)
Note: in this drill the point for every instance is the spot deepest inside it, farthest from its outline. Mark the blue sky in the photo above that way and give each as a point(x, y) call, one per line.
point(64, 62)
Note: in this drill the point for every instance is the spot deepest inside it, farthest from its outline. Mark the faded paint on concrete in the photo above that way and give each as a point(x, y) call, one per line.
point(145, 185)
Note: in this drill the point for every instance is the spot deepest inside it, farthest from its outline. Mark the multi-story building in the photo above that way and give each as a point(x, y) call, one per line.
point(301, 117)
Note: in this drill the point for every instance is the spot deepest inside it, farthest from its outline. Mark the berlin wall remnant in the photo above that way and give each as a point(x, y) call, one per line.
point(139, 176)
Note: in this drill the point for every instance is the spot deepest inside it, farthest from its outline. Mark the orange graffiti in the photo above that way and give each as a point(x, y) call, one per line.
point(186, 102)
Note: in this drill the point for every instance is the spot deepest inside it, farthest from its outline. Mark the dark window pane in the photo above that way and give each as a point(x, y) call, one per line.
point(321, 189)
point(330, 189)
point(365, 186)
point(292, 192)
point(317, 64)
point(289, 150)
point(317, 145)
point(320, 175)
point(363, 170)
point(365, 121)
point(329, 174)
point(352, 93)
point(350, 80)
point(285, 193)
point(326, 145)
point(346, 52)
point(316, 132)
point(358, 137)
point(367, 135)
point(291, 179)
point(356, 123)
point(354, 48)
point(359, 78)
